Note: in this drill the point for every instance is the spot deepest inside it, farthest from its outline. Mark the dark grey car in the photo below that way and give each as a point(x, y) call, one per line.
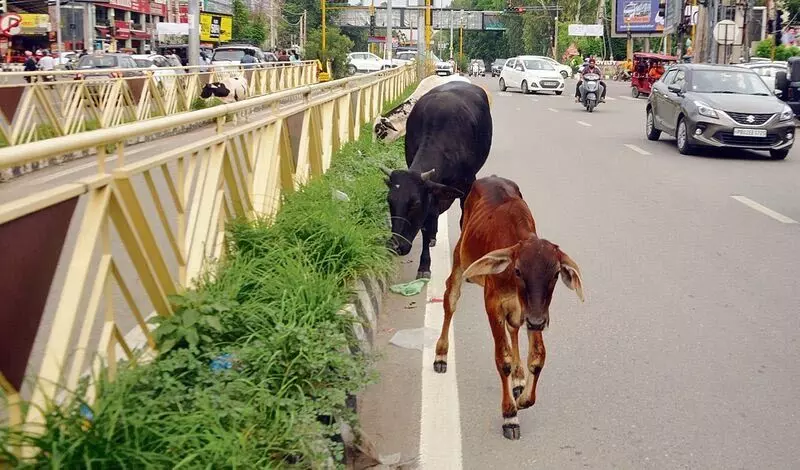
point(719, 106)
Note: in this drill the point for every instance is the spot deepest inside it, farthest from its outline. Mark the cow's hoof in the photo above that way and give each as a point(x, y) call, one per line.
point(432, 243)
point(440, 367)
point(423, 274)
point(517, 392)
point(511, 431)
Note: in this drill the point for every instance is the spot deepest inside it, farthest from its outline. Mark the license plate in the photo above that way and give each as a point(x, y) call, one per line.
point(750, 132)
point(550, 83)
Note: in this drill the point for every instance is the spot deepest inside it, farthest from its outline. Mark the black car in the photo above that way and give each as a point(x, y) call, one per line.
point(719, 106)
point(497, 67)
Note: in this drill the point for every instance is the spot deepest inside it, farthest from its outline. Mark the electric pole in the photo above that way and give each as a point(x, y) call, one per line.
point(451, 34)
point(193, 51)
point(388, 29)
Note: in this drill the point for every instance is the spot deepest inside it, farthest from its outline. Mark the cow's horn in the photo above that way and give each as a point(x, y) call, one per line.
point(427, 175)
point(385, 170)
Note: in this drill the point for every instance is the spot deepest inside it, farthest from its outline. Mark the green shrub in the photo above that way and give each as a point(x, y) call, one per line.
point(254, 356)
point(782, 52)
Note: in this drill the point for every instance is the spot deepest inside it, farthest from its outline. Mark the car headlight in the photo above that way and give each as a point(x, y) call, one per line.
point(706, 110)
point(787, 113)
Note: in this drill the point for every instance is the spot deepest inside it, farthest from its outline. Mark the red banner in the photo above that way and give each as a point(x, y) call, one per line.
point(123, 30)
point(158, 9)
point(139, 6)
point(183, 13)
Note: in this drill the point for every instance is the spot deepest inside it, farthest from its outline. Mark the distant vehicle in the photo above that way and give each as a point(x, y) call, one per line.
point(564, 70)
point(531, 74)
point(164, 67)
point(95, 66)
point(497, 67)
point(719, 106)
point(767, 70)
point(231, 54)
point(366, 62)
point(477, 67)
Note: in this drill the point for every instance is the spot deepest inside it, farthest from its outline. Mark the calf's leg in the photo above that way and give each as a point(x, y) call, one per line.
point(518, 373)
point(452, 293)
point(503, 361)
point(536, 356)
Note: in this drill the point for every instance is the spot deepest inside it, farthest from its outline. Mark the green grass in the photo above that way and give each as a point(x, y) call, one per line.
point(273, 305)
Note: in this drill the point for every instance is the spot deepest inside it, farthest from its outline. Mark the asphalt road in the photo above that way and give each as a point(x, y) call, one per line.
point(686, 353)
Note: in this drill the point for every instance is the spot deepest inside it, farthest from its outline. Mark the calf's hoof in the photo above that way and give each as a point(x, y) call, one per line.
point(432, 243)
point(517, 392)
point(440, 367)
point(423, 274)
point(511, 431)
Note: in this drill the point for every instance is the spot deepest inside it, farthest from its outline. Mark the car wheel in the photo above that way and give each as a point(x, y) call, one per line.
point(564, 74)
point(779, 154)
point(351, 70)
point(682, 135)
point(503, 85)
point(524, 87)
point(650, 126)
point(634, 92)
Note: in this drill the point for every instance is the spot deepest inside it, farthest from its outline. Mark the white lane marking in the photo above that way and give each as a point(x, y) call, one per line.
point(535, 100)
point(629, 98)
point(440, 420)
point(637, 149)
point(585, 124)
point(764, 210)
point(503, 93)
point(553, 110)
point(610, 98)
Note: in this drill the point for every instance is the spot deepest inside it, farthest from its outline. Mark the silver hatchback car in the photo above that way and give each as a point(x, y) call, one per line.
point(719, 106)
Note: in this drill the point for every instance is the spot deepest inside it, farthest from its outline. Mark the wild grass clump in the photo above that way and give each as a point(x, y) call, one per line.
point(256, 365)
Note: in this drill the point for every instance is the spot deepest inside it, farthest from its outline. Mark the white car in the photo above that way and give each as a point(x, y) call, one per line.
point(531, 74)
point(163, 67)
point(767, 70)
point(367, 62)
point(564, 70)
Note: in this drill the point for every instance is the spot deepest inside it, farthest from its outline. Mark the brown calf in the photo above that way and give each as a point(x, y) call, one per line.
point(499, 250)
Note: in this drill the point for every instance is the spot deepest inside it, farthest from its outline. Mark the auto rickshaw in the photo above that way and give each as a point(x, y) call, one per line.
point(641, 78)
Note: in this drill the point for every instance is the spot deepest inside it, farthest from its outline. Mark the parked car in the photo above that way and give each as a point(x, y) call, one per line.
point(96, 66)
point(66, 61)
point(531, 74)
point(497, 67)
point(719, 106)
point(367, 62)
point(767, 70)
point(164, 67)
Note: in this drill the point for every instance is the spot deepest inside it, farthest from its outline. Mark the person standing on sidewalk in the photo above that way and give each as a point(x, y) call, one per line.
point(30, 65)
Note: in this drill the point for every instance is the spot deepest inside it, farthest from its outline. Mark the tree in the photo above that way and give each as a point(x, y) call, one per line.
point(337, 45)
point(247, 27)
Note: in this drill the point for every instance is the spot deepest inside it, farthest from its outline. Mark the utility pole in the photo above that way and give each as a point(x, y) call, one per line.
point(59, 44)
point(193, 51)
point(428, 15)
point(461, 36)
point(748, 13)
point(303, 27)
point(451, 34)
point(388, 29)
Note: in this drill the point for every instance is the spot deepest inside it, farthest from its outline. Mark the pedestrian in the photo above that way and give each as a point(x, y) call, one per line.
point(30, 65)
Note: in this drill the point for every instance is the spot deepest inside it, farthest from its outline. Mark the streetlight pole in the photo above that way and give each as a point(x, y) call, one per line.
point(193, 51)
point(59, 43)
point(388, 29)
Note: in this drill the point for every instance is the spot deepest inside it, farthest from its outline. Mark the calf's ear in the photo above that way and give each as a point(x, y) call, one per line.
point(443, 191)
point(494, 262)
point(571, 274)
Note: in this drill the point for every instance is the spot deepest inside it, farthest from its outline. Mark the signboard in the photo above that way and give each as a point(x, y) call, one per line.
point(224, 7)
point(123, 29)
point(33, 24)
point(672, 13)
point(593, 30)
point(172, 34)
point(493, 21)
point(215, 28)
point(139, 6)
point(727, 33)
point(640, 18)
point(10, 24)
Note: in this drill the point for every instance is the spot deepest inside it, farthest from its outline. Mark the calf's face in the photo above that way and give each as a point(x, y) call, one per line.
point(383, 129)
point(533, 266)
point(411, 197)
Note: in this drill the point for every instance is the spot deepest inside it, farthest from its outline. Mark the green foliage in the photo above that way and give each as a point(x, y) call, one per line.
point(782, 52)
point(337, 44)
point(200, 103)
point(253, 356)
point(247, 28)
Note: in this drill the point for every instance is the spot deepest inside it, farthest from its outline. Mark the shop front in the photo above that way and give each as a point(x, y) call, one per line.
point(33, 35)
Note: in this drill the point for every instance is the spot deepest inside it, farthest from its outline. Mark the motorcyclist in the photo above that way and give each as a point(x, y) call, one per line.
point(590, 68)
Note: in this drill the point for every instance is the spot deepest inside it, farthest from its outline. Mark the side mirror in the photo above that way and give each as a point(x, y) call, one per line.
point(777, 92)
point(674, 89)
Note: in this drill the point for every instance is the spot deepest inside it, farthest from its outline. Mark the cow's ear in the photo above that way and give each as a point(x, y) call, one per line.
point(442, 191)
point(494, 262)
point(571, 274)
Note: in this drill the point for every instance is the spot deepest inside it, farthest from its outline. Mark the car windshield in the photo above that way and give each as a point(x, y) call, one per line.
point(233, 55)
point(98, 62)
point(143, 63)
point(728, 82)
point(536, 64)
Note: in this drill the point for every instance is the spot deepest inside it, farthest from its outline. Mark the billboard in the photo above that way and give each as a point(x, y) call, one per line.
point(215, 28)
point(639, 17)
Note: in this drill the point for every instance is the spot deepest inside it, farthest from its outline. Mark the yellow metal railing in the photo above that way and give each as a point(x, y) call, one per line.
point(144, 230)
point(41, 110)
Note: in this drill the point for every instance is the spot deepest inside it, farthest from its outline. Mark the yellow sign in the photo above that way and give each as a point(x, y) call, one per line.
point(215, 28)
point(33, 24)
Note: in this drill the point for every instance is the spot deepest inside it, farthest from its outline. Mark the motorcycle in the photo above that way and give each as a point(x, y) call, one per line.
point(590, 91)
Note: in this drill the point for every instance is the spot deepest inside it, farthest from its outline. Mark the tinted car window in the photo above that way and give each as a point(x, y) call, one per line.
point(97, 62)
point(669, 76)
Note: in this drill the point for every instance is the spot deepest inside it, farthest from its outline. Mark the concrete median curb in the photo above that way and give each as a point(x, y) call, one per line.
point(365, 306)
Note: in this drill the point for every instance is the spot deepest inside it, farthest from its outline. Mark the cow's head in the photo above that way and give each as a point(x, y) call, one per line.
point(534, 265)
point(214, 88)
point(411, 197)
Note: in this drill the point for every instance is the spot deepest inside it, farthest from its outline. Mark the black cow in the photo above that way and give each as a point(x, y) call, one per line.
point(448, 138)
